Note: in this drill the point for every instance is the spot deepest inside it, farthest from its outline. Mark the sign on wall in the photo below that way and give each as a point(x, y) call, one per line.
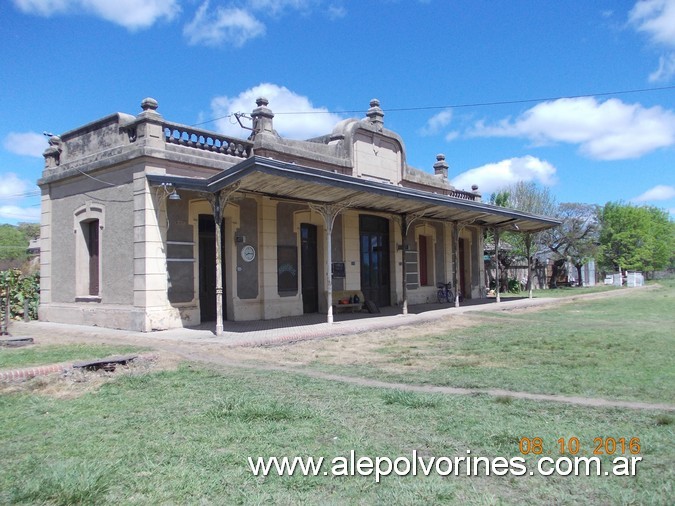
point(338, 269)
point(287, 269)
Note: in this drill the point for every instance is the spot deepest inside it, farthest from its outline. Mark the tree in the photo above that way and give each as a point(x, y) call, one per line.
point(13, 247)
point(635, 238)
point(30, 230)
point(530, 198)
point(576, 239)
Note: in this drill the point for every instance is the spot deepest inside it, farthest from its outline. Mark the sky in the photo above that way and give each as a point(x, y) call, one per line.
point(575, 96)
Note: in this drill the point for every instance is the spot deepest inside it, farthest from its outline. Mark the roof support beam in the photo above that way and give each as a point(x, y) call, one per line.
point(329, 212)
point(498, 281)
point(218, 201)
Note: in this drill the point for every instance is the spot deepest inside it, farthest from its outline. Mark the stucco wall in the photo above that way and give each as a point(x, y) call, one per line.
point(116, 237)
point(247, 235)
point(287, 251)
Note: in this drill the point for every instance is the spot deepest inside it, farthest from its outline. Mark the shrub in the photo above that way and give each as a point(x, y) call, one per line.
point(514, 285)
point(24, 291)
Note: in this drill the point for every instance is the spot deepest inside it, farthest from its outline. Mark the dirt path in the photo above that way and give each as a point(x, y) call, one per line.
point(219, 361)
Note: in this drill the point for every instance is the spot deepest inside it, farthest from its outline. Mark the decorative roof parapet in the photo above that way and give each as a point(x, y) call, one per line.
point(183, 135)
point(464, 195)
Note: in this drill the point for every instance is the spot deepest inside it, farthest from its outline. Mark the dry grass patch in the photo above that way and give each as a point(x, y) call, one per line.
point(72, 383)
point(412, 343)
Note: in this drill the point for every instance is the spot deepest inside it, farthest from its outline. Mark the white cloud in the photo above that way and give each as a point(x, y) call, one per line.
point(21, 214)
point(666, 69)
point(131, 14)
point(437, 122)
point(221, 25)
point(451, 136)
point(659, 192)
point(236, 25)
point(317, 121)
point(336, 12)
point(13, 190)
point(13, 187)
point(656, 18)
point(610, 130)
point(276, 7)
point(25, 143)
point(493, 176)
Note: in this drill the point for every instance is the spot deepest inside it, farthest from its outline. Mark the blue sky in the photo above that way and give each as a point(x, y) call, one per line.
point(64, 63)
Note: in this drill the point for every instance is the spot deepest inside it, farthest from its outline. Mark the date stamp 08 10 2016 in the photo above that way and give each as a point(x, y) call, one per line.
point(572, 446)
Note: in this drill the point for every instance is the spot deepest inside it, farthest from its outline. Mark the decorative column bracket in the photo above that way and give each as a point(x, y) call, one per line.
point(219, 201)
point(497, 278)
point(458, 226)
point(405, 221)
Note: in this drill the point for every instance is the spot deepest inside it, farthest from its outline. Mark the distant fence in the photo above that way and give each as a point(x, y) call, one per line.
point(631, 279)
point(634, 279)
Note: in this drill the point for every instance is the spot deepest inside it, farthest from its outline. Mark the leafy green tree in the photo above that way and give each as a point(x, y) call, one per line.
point(500, 198)
point(635, 238)
point(30, 230)
point(13, 244)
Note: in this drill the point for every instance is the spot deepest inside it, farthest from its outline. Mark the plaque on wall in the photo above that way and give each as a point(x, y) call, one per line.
point(287, 269)
point(338, 269)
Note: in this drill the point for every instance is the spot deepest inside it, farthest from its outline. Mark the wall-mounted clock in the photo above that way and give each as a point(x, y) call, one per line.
point(248, 253)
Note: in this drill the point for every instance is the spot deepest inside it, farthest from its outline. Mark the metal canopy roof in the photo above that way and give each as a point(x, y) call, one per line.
point(273, 178)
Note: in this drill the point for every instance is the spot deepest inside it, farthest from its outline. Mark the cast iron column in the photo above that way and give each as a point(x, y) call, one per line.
point(218, 217)
point(329, 212)
point(497, 263)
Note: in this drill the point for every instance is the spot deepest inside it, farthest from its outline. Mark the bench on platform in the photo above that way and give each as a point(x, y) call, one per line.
point(341, 295)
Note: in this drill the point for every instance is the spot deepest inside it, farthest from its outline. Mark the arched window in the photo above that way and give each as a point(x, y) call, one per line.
point(89, 225)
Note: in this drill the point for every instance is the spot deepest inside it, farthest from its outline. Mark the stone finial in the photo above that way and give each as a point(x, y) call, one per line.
point(52, 154)
point(262, 117)
point(149, 103)
point(149, 113)
point(441, 166)
point(375, 113)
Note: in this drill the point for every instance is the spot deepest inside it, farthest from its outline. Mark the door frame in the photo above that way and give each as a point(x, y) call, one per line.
point(382, 296)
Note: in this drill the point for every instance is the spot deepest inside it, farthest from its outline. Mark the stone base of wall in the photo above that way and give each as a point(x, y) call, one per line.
point(112, 316)
point(422, 295)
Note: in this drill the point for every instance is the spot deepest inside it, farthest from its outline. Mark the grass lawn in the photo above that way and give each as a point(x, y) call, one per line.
point(617, 348)
point(563, 291)
point(51, 354)
point(183, 437)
